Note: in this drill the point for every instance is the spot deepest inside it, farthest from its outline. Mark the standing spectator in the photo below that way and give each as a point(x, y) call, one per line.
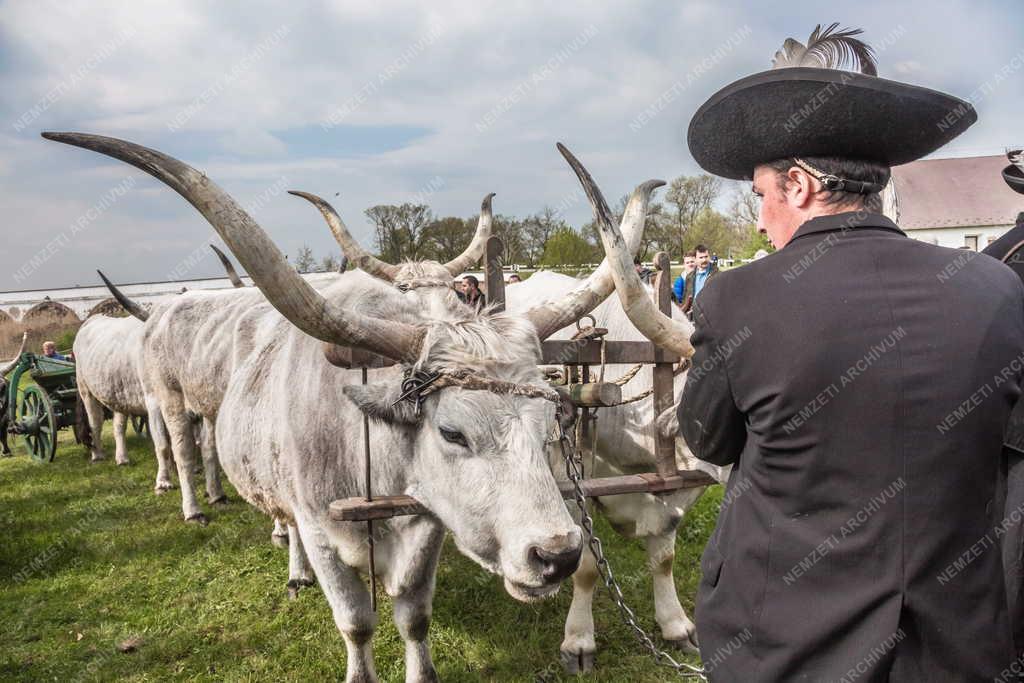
point(472, 296)
point(696, 280)
point(513, 279)
point(689, 263)
point(643, 271)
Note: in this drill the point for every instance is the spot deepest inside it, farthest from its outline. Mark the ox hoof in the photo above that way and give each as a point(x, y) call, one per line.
point(688, 645)
point(577, 662)
point(295, 585)
point(198, 518)
point(161, 489)
point(220, 500)
point(280, 540)
point(124, 463)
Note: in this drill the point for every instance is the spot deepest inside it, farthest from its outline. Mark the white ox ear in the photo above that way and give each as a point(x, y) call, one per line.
point(378, 402)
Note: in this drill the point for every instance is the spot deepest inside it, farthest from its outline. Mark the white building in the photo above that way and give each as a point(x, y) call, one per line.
point(953, 202)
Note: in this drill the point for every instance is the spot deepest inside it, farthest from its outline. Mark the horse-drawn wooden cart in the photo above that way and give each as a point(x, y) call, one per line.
point(36, 413)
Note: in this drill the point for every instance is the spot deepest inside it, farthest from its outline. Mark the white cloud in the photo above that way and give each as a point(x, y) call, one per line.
point(243, 135)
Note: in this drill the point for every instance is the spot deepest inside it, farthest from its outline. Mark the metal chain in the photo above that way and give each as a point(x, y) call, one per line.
point(573, 461)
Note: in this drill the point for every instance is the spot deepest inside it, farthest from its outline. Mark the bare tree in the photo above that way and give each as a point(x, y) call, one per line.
point(400, 230)
point(304, 261)
point(539, 228)
point(690, 196)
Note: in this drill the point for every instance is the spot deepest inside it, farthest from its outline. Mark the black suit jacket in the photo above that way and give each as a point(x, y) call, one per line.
point(860, 382)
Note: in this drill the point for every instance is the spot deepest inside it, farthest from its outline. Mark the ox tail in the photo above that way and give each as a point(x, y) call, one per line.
point(83, 432)
point(228, 267)
point(127, 304)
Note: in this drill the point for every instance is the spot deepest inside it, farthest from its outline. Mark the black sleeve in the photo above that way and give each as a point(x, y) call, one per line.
point(709, 421)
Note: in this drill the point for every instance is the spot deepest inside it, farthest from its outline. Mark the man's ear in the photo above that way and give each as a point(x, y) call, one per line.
point(801, 186)
point(376, 401)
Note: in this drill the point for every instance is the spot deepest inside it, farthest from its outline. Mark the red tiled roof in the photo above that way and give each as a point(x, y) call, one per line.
point(942, 193)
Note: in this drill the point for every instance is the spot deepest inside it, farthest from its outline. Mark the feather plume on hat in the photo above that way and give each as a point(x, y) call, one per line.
point(828, 49)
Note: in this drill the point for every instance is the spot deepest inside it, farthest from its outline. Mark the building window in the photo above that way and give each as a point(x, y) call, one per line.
point(971, 242)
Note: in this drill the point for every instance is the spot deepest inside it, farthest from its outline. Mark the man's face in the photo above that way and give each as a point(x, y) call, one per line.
point(703, 259)
point(689, 263)
point(778, 218)
point(49, 349)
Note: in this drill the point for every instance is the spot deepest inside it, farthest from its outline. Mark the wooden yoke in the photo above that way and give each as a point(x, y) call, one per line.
point(494, 276)
point(664, 386)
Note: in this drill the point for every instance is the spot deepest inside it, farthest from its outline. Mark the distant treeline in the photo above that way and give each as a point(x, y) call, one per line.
point(687, 217)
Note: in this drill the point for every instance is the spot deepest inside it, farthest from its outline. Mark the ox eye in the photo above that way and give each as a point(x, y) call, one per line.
point(453, 437)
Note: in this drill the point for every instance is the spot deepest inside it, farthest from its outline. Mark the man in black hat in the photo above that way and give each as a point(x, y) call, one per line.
point(1010, 250)
point(860, 397)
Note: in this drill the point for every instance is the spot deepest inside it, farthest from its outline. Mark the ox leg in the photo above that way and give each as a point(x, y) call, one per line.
point(211, 466)
point(349, 600)
point(413, 606)
point(578, 648)
point(676, 627)
point(300, 574)
point(162, 447)
point(183, 443)
point(5, 450)
point(120, 449)
point(94, 411)
point(280, 535)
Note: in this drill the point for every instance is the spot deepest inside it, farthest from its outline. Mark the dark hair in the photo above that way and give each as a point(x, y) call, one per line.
point(849, 169)
point(690, 254)
point(1020, 218)
point(700, 247)
point(636, 261)
point(472, 279)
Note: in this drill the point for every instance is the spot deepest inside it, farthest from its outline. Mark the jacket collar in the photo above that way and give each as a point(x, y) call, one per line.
point(844, 222)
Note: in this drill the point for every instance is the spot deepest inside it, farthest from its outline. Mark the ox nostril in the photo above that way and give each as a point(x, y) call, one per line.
point(555, 566)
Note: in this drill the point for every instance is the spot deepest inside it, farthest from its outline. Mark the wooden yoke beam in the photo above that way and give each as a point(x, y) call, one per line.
point(664, 386)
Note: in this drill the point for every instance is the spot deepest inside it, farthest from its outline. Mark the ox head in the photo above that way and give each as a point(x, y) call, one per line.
point(479, 459)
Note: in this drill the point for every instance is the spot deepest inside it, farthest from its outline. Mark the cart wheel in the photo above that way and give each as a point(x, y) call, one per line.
point(140, 423)
point(36, 413)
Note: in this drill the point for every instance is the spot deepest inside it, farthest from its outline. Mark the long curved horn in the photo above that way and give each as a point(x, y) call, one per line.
point(349, 247)
point(552, 316)
point(14, 363)
point(636, 302)
point(478, 245)
point(228, 267)
point(289, 293)
point(127, 304)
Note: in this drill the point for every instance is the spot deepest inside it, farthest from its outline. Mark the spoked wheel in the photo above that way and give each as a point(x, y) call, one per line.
point(140, 423)
point(37, 424)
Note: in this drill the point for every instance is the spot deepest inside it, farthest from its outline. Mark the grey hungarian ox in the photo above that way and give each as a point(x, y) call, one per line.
point(471, 446)
point(625, 444)
point(109, 360)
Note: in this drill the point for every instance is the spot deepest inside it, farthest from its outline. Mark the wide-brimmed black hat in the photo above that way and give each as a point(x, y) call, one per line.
point(795, 110)
point(1014, 173)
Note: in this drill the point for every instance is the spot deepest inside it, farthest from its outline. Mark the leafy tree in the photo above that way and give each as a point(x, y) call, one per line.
point(446, 238)
point(566, 247)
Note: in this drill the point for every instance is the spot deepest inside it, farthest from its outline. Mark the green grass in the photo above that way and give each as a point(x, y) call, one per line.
point(92, 558)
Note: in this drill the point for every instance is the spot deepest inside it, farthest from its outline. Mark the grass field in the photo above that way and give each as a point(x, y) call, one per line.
point(94, 562)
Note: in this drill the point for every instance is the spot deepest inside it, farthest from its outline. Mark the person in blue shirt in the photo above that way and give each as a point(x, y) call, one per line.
point(689, 263)
point(696, 280)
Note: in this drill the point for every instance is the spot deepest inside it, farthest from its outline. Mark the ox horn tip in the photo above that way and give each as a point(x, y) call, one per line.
point(486, 203)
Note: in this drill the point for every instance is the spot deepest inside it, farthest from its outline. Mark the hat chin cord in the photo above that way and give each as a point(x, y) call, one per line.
point(834, 183)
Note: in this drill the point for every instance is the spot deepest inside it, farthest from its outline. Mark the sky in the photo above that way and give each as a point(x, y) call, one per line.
point(369, 103)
